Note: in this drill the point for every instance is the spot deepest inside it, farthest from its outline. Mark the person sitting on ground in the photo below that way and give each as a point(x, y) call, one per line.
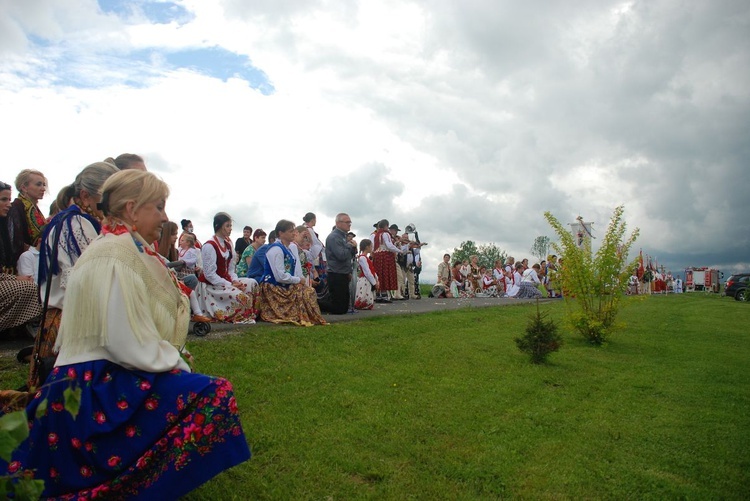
point(19, 296)
point(257, 266)
point(28, 263)
point(367, 281)
point(303, 243)
point(284, 298)
point(26, 219)
point(465, 271)
point(529, 283)
point(166, 248)
point(64, 240)
point(488, 283)
point(511, 285)
point(187, 228)
point(259, 239)
point(222, 295)
point(166, 243)
point(458, 281)
point(498, 273)
point(148, 427)
point(475, 274)
point(442, 284)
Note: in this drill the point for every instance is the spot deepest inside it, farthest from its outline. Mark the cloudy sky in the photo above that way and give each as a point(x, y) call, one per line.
point(468, 119)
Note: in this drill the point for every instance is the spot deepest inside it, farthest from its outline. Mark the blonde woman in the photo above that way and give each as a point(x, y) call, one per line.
point(148, 427)
point(26, 217)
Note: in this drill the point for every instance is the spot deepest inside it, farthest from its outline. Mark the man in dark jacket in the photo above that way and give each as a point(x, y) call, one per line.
point(339, 255)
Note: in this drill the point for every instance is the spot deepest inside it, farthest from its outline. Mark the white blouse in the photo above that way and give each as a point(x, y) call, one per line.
point(210, 267)
point(275, 257)
point(83, 233)
point(365, 267)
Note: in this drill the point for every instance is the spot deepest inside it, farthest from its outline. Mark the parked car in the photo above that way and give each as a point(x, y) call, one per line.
point(737, 286)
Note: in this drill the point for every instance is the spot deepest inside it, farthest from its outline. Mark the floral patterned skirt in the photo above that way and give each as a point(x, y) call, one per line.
point(137, 434)
point(296, 304)
point(364, 298)
point(225, 303)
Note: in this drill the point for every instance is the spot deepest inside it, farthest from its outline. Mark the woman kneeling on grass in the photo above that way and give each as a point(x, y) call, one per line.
point(284, 297)
point(148, 427)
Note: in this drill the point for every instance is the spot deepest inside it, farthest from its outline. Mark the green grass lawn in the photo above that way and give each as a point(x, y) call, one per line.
point(444, 406)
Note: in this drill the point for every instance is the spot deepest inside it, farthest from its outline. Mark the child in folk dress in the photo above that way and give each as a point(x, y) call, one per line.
point(489, 284)
point(367, 280)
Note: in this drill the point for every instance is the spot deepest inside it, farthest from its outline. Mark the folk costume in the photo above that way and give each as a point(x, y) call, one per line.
point(384, 259)
point(284, 298)
point(512, 281)
point(190, 257)
point(27, 219)
point(367, 277)
point(216, 295)
point(19, 299)
point(528, 288)
point(147, 428)
point(499, 275)
point(65, 238)
point(488, 286)
point(474, 278)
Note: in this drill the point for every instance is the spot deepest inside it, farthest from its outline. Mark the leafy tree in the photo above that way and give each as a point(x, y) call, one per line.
point(464, 251)
point(488, 253)
point(540, 247)
point(594, 287)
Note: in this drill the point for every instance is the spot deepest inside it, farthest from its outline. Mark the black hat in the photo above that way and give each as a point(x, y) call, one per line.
point(394, 227)
point(351, 234)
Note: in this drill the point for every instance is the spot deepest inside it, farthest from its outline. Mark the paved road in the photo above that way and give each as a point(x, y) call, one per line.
point(9, 347)
point(426, 305)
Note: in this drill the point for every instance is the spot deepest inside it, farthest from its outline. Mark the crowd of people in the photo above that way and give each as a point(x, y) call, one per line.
point(507, 278)
point(107, 284)
point(112, 318)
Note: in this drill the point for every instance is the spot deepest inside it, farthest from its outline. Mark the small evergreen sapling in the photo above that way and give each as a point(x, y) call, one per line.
point(541, 338)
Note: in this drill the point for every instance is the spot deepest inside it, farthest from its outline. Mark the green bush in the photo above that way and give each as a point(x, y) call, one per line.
point(594, 286)
point(541, 338)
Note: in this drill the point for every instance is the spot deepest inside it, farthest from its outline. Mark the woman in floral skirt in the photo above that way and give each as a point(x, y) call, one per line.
point(147, 427)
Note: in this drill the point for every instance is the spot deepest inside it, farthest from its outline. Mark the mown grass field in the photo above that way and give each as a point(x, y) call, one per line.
point(444, 406)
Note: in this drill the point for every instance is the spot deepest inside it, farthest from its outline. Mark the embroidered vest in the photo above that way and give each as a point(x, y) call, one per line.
point(289, 264)
point(222, 263)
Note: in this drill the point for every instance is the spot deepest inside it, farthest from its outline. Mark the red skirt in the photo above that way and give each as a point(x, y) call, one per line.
point(385, 267)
